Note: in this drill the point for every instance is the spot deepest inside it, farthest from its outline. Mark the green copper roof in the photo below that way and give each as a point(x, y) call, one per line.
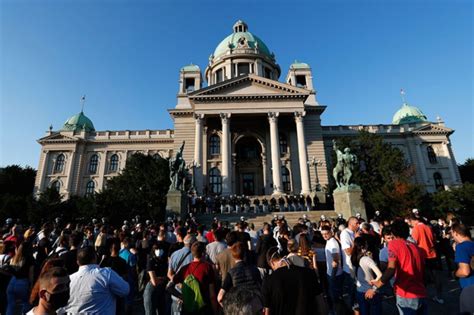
point(190, 68)
point(78, 122)
point(408, 114)
point(233, 41)
point(299, 65)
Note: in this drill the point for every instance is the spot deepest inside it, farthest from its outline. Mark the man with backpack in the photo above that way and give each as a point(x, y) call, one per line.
point(198, 284)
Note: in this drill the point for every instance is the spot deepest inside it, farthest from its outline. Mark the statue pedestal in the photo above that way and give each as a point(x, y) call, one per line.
point(348, 201)
point(177, 203)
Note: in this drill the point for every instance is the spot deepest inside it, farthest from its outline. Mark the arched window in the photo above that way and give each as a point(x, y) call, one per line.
point(431, 155)
point(215, 145)
point(59, 165)
point(90, 188)
point(215, 181)
point(113, 166)
point(285, 179)
point(94, 161)
point(438, 179)
point(56, 185)
point(283, 145)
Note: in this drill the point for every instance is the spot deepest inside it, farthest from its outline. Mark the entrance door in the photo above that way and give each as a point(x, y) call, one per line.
point(248, 184)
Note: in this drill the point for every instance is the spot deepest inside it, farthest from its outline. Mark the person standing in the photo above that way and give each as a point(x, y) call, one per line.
point(464, 257)
point(94, 289)
point(264, 243)
point(347, 243)
point(406, 262)
point(334, 272)
point(154, 296)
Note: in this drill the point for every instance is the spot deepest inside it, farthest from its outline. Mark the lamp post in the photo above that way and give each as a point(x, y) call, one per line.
point(315, 163)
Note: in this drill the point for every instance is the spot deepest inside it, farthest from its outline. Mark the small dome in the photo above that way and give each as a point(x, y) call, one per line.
point(241, 38)
point(299, 65)
point(78, 122)
point(408, 114)
point(190, 68)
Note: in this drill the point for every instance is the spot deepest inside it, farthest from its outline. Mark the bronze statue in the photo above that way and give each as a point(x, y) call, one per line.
point(177, 170)
point(343, 170)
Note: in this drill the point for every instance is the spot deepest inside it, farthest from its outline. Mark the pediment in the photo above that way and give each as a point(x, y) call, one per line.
point(249, 86)
point(57, 137)
point(433, 129)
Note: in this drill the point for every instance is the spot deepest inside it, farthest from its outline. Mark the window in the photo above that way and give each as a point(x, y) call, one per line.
point(219, 75)
point(215, 145)
point(90, 188)
point(94, 161)
point(189, 85)
point(283, 145)
point(114, 159)
point(431, 155)
point(243, 68)
point(56, 185)
point(438, 179)
point(285, 178)
point(59, 165)
point(215, 181)
point(301, 81)
point(268, 73)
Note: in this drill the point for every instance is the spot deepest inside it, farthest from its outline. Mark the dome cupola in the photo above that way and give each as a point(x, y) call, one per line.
point(241, 53)
point(408, 114)
point(78, 122)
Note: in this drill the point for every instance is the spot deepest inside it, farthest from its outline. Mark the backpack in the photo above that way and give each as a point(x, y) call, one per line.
point(192, 296)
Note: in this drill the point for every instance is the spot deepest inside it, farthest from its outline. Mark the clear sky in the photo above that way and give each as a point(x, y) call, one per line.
point(126, 55)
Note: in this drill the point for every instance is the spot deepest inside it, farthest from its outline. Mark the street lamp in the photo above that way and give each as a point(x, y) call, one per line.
point(315, 163)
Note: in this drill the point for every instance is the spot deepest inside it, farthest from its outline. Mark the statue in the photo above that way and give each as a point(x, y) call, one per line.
point(177, 170)
point(346, 161)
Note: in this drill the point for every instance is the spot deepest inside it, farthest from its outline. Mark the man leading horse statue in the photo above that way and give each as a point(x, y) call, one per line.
point(343, 170)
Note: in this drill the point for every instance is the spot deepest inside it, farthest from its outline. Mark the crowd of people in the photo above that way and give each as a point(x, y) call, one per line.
point(334, 266)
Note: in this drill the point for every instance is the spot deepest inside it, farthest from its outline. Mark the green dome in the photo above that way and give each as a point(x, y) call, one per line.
point(299, 65)
point(408, 114)
point(190, 68)
point(78, 122)
point(241, 38)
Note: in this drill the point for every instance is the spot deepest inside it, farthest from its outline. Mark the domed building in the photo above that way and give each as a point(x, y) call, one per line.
point(247, 132)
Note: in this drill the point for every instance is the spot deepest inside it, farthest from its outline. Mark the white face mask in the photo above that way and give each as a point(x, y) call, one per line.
point(159, 253)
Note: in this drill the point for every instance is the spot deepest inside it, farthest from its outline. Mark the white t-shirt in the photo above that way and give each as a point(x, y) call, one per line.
point(347, 240)
point(332, 247)
point(365, 273)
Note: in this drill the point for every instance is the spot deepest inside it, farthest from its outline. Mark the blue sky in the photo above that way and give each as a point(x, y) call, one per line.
point(126, 55)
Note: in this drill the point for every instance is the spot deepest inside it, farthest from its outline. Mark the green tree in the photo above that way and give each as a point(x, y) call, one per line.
point(467, 171)
point(383, 174)
point(459, 200)
point(140, 190)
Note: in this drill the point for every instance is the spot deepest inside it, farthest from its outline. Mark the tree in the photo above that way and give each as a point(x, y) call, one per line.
point(459, 200)
point(383, 175)
point(467, 171)
point(140, 190)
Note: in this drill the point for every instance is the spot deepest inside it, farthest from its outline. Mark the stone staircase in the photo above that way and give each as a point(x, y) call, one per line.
point(259, 218)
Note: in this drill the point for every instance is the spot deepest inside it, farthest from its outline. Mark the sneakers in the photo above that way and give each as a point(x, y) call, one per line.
point(438, 300)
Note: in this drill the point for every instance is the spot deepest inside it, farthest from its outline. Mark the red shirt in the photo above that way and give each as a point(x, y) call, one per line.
point(410, 266)
point(210, 237)
point(424, 237)
point(203, 272)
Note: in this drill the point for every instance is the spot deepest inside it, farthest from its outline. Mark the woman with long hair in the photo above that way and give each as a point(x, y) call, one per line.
point(22, 270)
point(370, 301)
point(305, 251)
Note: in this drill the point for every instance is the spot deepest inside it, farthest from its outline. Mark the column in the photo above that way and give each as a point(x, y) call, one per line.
point(70, 172)
point(421, 163)
point(225, 153)
point(264, 172)
point(43, 172)
point(102, 170)
point(275, 149)
point(303, 159)
point(198, 152)
point(449, 161)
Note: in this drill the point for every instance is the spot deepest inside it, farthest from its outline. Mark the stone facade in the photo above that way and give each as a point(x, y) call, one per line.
point(246, 132)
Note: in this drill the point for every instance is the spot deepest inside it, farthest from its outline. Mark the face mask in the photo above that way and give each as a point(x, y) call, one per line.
point(159, 253)
point(58, 300)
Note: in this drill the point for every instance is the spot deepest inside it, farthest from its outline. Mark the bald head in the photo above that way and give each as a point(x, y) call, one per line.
point(353, 224)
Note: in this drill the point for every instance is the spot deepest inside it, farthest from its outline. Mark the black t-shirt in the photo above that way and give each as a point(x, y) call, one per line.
point(158, 265)
point(264, 243)
point(291, 290)
point(118, 264)
point(44, 245)
point(70, 261)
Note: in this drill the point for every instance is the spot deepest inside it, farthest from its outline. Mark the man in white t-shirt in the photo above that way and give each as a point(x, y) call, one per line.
point(347, 243)
point(335, 276)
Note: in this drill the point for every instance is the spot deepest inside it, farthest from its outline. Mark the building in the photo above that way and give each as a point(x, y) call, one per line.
point(246, 132)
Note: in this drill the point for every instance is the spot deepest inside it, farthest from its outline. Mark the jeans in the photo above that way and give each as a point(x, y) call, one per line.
point(351, 288)
point(154, 299)
point(415, 306)
point(371, 306)
point(18, 289)
point(334, 289)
